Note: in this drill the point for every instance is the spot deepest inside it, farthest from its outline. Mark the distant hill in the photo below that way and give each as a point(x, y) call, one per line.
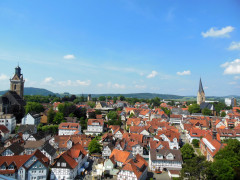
point(33, 91)
point(141, 95)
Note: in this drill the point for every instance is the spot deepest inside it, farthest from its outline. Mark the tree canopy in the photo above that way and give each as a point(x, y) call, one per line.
point(94, 147)
point(206, 112)
point(194, 108)
point(187, 152)
point(33, 107)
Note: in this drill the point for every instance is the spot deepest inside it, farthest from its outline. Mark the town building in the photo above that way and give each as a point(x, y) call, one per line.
point(9, 121)
point(165, 159)
point(25, 167)
point(69, 128)
point(201, 94)
point(95, 126)
point(31, 118)
point(135, 168)
point(69, 164)
point(12, 101)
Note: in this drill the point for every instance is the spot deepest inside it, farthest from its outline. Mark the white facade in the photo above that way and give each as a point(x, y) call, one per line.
point(118, 135)
point(64, 173)
point(129, 175)
point(161, 163)
point(106, 152)
point(229, 101)
point(67, 131)
point(9, 121)
point(29, 119)
point(94, 129)
point(172, 144)
point(137, 149)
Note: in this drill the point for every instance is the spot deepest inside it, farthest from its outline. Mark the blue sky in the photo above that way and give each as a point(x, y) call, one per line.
point(122, 46)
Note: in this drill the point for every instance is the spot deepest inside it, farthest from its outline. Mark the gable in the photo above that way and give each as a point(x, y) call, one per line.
point(30, 161)
point(15, 77)
point(170, 156)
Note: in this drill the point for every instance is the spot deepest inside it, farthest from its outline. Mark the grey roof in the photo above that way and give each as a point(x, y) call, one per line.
point(103, 104)
point(200, 86)
point(12, 97)
point(35, 115)
point(209, 106)
point(49, 149)
point(176, 153)
point(27, 128)
point(16, 148)
point(34, 144)
point(38, 136)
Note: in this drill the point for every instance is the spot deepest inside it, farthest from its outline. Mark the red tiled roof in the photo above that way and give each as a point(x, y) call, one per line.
point(71, 126)
point(4, 129)
point(100, 121)
point(194, 132)
point(120, 156)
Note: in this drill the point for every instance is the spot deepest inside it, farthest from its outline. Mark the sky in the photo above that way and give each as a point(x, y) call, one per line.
point(122, 46)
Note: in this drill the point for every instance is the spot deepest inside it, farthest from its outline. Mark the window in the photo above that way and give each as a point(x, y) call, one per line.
point(58, 164)
point(63, 164)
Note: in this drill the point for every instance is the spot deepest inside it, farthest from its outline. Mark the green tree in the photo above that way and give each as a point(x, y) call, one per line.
point(50, 115)
point(109, 98)
point(97, 111)
point(33, 107)
point(196, 168)
point(187, 152)
point(206, 112)
point(166, 110)
point(221, 169)
point(59, 117)
point(155, 101)
point(194, 108)
point(102, 98)
point(71, 115)
point(94, 147)
point(91, 104)
point(114, 99)
point(122, 98)
point(112, 115)
point(223, 114)
point(195, 143)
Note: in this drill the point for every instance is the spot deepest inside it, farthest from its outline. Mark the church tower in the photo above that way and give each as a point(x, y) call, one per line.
point(17, 82)
point(201, 94)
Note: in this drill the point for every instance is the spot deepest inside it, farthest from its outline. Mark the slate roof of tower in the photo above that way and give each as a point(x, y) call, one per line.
point(200, 87)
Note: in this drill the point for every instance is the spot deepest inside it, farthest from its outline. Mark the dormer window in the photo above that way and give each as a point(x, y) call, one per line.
point(63, 164)
point(159, 156)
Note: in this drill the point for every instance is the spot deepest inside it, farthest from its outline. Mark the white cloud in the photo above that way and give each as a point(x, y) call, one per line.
point(140, 86)
point(153, 74)
point(69, 56)
point(234, 46)
point(100, 85)
point(213, 32)
point(205, 87)
point(232, 67)
point(83, 83)
point(184, 73)
point(111, 85)
point(118, 86)
point(232, 83)
point(48, 80)
point(3, 77)
point(236, 77)
point(74, 83)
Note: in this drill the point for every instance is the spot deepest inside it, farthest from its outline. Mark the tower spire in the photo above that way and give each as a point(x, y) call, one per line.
point(200, 87)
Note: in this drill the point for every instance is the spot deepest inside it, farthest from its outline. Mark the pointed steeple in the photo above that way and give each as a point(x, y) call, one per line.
point(200, 87)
